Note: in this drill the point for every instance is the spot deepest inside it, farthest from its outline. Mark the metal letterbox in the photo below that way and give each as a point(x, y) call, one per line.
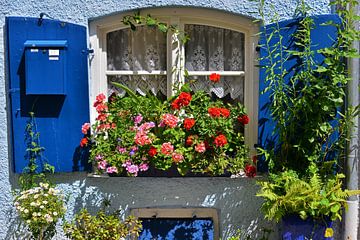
point(45, 67)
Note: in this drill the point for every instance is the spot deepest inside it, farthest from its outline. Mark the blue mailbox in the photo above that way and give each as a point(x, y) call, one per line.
point(45, 67)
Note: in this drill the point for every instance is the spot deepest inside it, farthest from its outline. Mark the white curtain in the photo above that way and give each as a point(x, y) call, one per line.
point(209, 49)
point(215, 49)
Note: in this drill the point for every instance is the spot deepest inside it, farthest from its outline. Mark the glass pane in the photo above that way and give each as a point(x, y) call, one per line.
point(214, 49)
point(143, 49)
point(176, 229)
point(229, 88)
point(140, 84)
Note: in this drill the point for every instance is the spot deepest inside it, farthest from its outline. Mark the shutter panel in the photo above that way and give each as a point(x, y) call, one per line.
point(322, 36)
point(48, 75)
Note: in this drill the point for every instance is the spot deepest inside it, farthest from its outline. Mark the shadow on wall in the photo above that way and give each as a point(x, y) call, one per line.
point(234, 198)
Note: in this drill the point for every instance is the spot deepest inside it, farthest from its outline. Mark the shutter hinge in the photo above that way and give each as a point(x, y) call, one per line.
point(88, 51)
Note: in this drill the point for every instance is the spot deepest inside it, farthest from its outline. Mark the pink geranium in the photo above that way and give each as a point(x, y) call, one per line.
point(167, 148)
point(143, 167)
point(142, 139)
point(138, 119)
point(133, 169)
point(200, 147)
point(112, 170)
point(177, 157)
point(102, 165)
point(170, 120)
point(85, 128)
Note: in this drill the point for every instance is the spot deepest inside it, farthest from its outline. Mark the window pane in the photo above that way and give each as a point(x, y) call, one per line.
point(143, 49)
point(228, 87)
point(214, 49)
point(140, 84)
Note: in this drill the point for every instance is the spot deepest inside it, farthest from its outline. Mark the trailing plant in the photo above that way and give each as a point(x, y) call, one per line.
point(34, 173)
point(102, 226)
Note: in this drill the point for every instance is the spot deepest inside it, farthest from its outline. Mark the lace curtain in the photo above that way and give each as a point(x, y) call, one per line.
point(209, 49)
point(216, 49)
point(143, 49)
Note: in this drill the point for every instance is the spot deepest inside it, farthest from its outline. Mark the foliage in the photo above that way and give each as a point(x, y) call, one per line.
point(38, 204)
point(190, 130)
point(40, 208)
point(286, 193)
point(33, 173)
point(102, 226)
point(312, 120)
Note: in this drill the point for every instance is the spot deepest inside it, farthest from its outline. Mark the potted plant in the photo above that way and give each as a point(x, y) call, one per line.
point(312, 122)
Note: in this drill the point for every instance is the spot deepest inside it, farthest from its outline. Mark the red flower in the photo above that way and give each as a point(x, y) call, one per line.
point(84, 142)
point(224, 112)
point(220, 140)
point(244, 119)
point(189, 123)
point(184, 98)
point(175, 104)
point(101, 97)
point(250, 171)
point(102, 117)
point(214, 77)
point(152, 151)
point(189, 140)
point(214, 112)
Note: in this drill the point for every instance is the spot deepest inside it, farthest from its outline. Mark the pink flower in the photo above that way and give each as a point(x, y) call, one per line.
point(121, 149)
point(101, 97)
point(127, 163)
point(170, 120)
point(102, 165)
point(138, 119)
point(200, 147)
point(98, 157)
point(85, 128)
point(142, 139)
point(167, 148)
point(177, 157)
point(133, 169)
point(112, 170)
point(143, 167)
point(145, 127)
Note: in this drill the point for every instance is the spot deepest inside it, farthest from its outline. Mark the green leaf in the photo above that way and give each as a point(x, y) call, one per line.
point(335, 208)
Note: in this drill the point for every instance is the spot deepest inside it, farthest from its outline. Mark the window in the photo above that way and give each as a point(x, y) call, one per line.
point(145, 59)
point(178, 223)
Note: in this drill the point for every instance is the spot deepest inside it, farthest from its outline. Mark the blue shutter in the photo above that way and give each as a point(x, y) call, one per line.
point(322, 36)
point(53, 85)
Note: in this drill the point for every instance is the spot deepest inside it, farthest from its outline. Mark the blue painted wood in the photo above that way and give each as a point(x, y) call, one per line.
point(176, 229)
point(321, 36)
point(294, 228)
point(58, 117)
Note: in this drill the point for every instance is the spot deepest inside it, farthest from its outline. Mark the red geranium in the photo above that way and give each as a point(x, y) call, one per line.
point(224, 112)
point(152, 151)
point(220, 140)
point(175, 104)
point(250, 171)
point(214, 77)
point(189, 123)
point(84, 142)
point(189, 140)
point(185, 98)
point(214, 112)
point(244, 119)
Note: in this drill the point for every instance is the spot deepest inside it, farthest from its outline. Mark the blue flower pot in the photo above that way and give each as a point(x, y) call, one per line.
point(294, 228)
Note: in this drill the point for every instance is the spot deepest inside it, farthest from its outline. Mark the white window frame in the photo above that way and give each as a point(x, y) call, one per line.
point(98, 28)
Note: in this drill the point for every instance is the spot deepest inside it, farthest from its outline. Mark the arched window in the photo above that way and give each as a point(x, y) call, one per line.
point(145, 59)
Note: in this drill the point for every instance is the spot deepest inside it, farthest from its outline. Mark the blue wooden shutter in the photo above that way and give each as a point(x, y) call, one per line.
point(322, 36)
point(60, 111)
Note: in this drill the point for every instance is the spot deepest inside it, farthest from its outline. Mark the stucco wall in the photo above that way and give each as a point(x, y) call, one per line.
point(235, 198)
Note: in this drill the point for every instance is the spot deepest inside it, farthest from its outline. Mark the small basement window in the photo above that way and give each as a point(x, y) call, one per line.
point(178, 223)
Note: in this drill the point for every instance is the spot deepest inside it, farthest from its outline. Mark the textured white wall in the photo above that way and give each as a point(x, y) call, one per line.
point(239, 208)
